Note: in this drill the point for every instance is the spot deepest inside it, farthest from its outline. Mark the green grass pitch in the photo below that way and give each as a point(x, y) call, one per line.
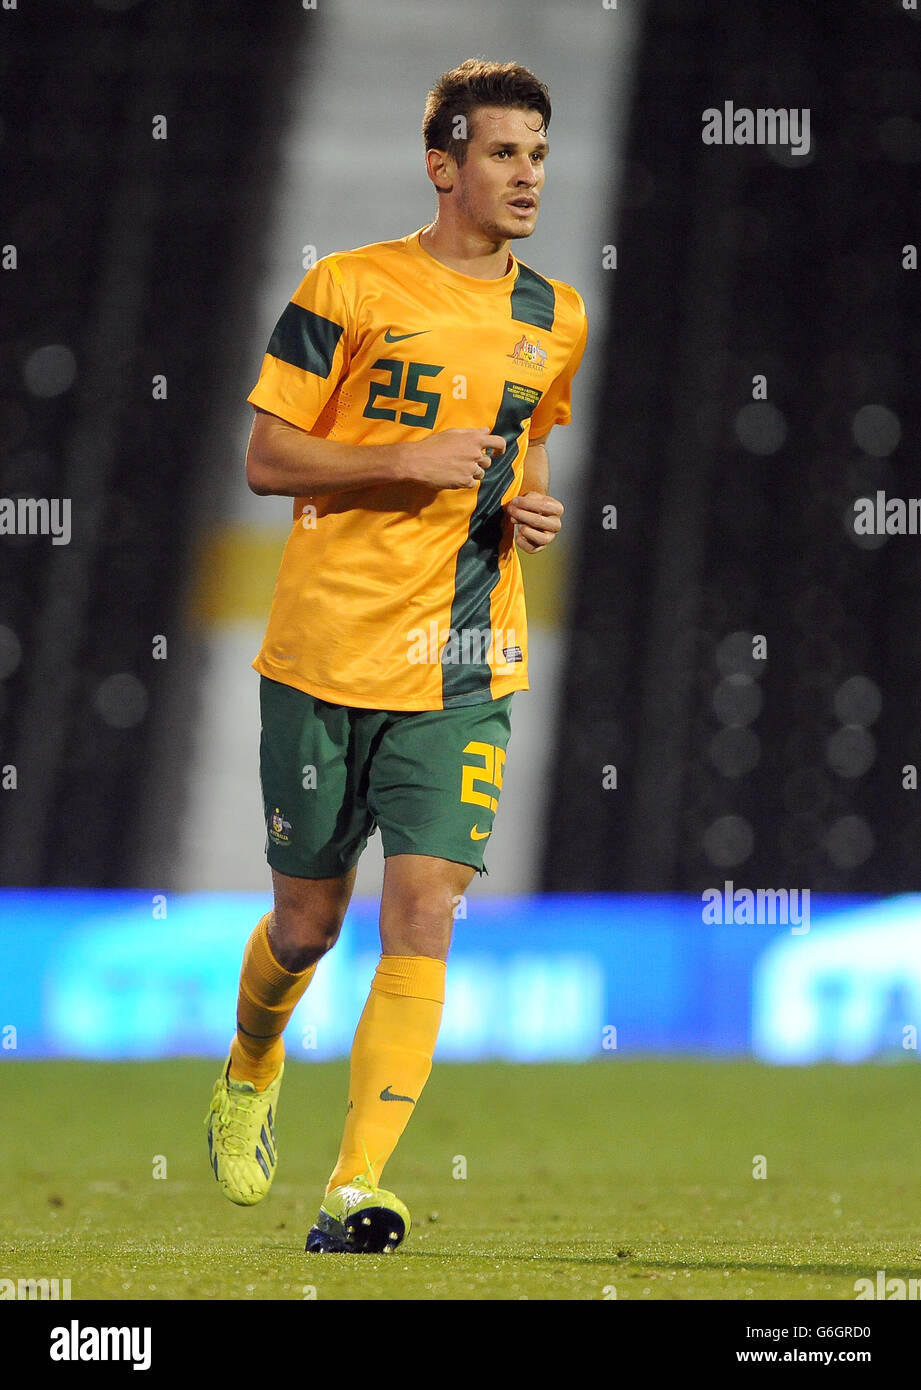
point(626, 1178)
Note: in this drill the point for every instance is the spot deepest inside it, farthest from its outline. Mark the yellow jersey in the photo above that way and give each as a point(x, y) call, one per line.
point(401, 596)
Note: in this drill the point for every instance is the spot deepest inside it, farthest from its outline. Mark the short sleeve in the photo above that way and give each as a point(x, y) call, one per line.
point(308, 351)
point(554, 406)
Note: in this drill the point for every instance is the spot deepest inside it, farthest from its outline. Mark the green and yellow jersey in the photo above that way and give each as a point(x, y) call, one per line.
point(403, 597)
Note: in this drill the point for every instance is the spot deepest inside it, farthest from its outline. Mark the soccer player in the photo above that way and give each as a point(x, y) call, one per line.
point(404, 403)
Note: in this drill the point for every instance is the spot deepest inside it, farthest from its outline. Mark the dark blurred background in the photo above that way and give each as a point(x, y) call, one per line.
point(735, 516)
point(137, 258)
point(128, 247)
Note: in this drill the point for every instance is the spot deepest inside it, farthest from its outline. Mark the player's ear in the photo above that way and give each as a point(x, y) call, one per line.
point(441, 169)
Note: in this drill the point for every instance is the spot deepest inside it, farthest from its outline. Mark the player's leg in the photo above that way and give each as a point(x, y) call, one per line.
point(316, 828)
point(279, 962)
point(435, 785)
point(392, 1051)
point(396, 1035)
point(418, 903)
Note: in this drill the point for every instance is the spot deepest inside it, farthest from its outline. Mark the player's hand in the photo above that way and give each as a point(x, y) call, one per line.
point(537, 520)
point(452, 458)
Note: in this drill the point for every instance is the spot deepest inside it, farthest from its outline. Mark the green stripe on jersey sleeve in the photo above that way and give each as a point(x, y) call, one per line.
point(305, 339)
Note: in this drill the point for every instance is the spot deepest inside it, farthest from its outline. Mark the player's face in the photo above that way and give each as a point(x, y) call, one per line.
point(499, 185)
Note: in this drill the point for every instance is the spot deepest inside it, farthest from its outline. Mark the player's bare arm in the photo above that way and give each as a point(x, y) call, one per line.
point(285, 461)
point(537, 516)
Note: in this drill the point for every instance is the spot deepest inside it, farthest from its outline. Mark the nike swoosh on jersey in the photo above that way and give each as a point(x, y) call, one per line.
point(477, 834)
point(390, 337)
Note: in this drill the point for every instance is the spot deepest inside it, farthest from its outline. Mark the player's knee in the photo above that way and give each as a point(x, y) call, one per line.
point(307, 918)
point(299, 942)
point(419, 904)
point(418, 927)
point(300, 936)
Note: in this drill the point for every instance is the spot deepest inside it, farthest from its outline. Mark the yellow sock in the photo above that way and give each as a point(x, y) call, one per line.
point(391, 1061)
point(267, 997)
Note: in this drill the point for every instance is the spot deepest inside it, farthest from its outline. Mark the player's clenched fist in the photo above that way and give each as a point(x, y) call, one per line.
point(451, 458)
point(537, 520)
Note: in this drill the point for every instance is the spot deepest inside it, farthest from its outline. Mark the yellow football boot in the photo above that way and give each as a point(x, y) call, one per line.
point(360, 1219)
point(241, 1137)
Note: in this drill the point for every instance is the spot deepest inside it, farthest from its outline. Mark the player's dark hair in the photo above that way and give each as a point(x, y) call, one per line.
point(478, 82)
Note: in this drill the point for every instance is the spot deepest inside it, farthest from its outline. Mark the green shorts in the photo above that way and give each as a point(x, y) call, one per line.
point(332, 774)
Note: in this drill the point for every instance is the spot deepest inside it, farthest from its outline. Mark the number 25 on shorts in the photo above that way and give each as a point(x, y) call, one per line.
point(489, 773)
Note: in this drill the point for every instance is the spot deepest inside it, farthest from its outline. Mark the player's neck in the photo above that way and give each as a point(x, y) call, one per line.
point(467, 251)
